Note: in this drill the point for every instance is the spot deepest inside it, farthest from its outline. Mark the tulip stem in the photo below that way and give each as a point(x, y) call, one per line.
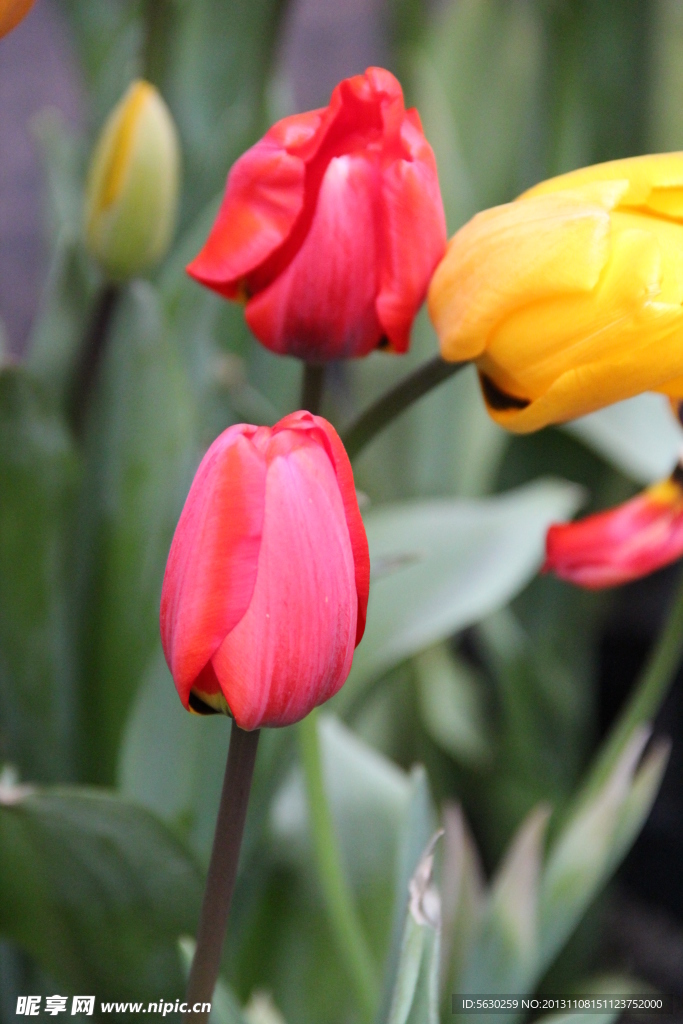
point(91, 353)
point(396, 401)
point(220, 881)
point(159, 20)
point(312, 386)
point(337, 894)
point(647, 696)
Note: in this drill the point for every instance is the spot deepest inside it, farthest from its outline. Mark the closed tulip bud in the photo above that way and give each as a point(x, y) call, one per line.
point(570, 297)
point(266, 586)
point(622, 544)
point(132, 193)
point(11, 13)
point(331, 226)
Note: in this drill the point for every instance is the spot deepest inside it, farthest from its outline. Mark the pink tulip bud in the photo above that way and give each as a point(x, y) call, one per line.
point(266, 586)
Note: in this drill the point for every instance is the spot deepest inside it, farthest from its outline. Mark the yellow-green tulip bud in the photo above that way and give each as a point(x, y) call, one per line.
point(11, 13)
point(132, 193)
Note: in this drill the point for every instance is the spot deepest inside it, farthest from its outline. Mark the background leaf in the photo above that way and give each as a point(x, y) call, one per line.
point(38, 478)
point(140, 455)
point(461, 560)
point(97, 890)
point(641, 436)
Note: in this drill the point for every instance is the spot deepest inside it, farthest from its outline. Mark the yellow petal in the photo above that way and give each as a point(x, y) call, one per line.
point(654, 182)
point(511, 256)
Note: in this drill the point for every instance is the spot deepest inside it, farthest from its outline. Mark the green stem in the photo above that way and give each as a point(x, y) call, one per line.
point(158, 22)
point(346, 925)
point(312, 387)
point(91, 355)
point(647, 697)
point(396, 401)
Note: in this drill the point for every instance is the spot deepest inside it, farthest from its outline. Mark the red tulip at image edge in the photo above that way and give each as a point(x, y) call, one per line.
point(621, 544)
point(266, 586)
point(331, 226)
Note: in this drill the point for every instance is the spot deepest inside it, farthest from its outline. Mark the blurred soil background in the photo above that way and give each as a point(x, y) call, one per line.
point(324, 41)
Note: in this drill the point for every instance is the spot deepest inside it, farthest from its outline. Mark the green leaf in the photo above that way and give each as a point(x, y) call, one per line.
point(475, 79)
point(459, 560)
point(108, 39)
point(504, 956)
point(173, 763)
point(640, 436)
point(261, 1010)
point(416, 992)
point(362, 787)
point(593, 841)
point(381, 816)
point(97, 890)
point(452, 704)
point(37, 483)
point(218, 114)
point(62, 159)
point(140, 454)
point(462, 896)
point(60, 326)
point(417, 827)
point(638, 803)
point(541, 722)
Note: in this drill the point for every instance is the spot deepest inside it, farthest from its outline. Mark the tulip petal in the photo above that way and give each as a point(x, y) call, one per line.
point(511, 256)
point(622, 544)
point(411, 195)
point(212, 565)
point(359, 540)
point(654, 182)
point(618, 321)
point(320, 427)
point(293, 648)
point(264, 197)
point(294, 314)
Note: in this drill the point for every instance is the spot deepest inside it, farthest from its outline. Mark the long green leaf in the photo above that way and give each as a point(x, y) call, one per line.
point(456, 561)
point(38, 478)
point(140, 454)
point(97, 890)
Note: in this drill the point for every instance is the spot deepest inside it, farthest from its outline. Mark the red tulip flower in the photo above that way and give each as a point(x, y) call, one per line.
point(266, 586)
point(331, 226)
point(622, 544)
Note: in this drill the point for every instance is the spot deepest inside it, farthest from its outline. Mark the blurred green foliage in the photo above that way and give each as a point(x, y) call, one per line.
point(97, 886)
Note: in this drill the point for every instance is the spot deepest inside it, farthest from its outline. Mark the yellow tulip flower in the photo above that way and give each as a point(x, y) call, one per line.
point(570, 298)
point(11, 13)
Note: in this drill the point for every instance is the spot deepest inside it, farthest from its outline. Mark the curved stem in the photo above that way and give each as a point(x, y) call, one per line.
point(647, 696)
point(312, 387)
point(220, 881)
point(346, 925)
point(91, 353)
point(396, 401)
